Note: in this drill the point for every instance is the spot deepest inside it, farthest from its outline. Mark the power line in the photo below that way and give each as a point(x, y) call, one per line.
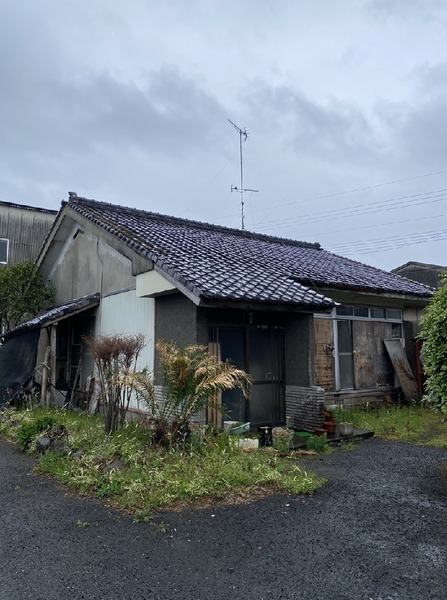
point(422, 198)
point(374, 246)
point(388, 224)
point(345, 192)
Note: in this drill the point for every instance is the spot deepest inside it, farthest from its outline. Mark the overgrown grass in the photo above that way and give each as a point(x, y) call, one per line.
point(413, 424)
point(134, 476)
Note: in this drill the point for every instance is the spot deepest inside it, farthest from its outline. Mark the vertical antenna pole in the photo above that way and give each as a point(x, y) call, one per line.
point(243, 135)
point(242, 178)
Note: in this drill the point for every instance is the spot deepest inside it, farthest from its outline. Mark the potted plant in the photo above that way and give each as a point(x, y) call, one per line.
point(282, 438)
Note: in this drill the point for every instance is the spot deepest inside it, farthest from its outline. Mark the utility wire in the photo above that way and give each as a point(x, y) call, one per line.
point(391, 243)
point(422, 198)
point(345, 192)
point(375, 226)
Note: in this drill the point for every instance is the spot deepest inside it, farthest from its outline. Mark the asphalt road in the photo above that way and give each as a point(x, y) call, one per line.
point(377, 531)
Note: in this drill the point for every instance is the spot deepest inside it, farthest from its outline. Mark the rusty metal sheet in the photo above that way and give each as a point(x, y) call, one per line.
point(402, 367)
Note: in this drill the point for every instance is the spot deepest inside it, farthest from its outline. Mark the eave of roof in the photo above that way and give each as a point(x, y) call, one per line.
point(55, 314)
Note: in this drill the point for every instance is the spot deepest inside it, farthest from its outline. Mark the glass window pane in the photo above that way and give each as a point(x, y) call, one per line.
point(377, 313)
point(394, 313)
point(346, 366)
point(232, 346)
point(361, 311)
point(261, 404)
point(396, 330)
point(344, 329)
point(235, 405)
point(345, 311)
point(260, 354)
point(3, 251)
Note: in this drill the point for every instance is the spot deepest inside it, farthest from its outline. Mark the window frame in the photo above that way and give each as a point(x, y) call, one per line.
point(5, 262)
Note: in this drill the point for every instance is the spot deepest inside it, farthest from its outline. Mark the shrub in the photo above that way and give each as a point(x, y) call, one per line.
point(30, 429)
point(115, 359)
point(317, 443)
point(192, 380)
point(434, 335)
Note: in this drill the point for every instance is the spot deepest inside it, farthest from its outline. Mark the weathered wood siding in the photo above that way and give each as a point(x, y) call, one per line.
point(324, 354)
point(372, 367)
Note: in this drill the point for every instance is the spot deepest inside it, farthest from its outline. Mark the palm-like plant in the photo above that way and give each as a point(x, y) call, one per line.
point(192, 380)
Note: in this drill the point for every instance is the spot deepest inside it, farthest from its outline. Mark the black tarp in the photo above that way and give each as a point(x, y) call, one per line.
point(18, 357)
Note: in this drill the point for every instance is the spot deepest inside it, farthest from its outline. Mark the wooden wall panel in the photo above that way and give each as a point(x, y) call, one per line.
point(324, 354)
point(364, 354)
point(372, 366)
point(384, 368)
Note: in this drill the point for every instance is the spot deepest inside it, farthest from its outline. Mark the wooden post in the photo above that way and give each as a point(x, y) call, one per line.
point(214, 416)
point(53, 373)
point(45, 370)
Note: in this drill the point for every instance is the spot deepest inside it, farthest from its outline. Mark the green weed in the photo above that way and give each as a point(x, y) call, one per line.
point(29, 430)
point(149, 477)
point(318, 443)
point(412, 424)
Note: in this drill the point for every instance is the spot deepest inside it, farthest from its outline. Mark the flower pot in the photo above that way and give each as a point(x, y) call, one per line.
point(229, 425)
point(346, 429)
point(248, 443)
point(282, 438)
point(320, 431)
point(330, 427)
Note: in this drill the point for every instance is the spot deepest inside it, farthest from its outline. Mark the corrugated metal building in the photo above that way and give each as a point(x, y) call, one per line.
point(23, 230)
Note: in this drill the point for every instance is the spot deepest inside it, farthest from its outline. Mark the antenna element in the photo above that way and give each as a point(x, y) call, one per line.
point(243, 135)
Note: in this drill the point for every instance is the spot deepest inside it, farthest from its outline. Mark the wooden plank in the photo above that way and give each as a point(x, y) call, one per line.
point(364, 355)
point(324, 354)
point(383, 369)
point(402, 367)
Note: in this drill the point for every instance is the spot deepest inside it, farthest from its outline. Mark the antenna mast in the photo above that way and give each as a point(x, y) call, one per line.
point(243, 135)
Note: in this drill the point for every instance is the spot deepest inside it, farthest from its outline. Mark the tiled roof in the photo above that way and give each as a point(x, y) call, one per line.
point(55, 314)
point(215, 262)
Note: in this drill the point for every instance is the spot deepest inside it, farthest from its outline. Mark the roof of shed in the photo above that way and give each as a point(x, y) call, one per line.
point(215, 262)
point(55, 314)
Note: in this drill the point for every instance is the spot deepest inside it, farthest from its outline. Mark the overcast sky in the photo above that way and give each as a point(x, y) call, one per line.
point(344, 101)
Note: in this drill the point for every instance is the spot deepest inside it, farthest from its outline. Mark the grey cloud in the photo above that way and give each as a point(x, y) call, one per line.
point(419, 133)
point(418, 129)
point(332, 131)
point(170, 116)
point(431, 81)
point(409, 10)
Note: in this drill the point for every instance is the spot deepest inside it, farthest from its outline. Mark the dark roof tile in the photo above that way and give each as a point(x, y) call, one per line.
point(222, 263)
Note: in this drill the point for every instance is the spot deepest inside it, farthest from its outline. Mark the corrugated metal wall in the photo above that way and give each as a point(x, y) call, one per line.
point(26, 231)
point(127, 314)
point(124, 313)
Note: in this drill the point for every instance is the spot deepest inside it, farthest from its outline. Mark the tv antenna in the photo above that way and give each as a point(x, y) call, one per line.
point(243, 135)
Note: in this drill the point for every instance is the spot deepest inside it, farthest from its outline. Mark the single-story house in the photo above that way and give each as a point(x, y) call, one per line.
point(311, 328)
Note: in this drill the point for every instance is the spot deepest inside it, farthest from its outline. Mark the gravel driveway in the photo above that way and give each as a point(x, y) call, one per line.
point(377, 530)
